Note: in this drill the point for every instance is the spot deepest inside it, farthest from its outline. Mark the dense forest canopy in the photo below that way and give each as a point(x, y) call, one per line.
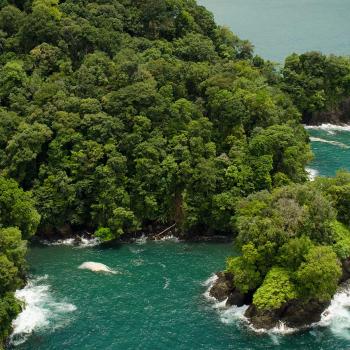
point(120, 113)
point(117, 114)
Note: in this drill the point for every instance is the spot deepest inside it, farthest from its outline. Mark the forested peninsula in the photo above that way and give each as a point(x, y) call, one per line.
point(118, 116)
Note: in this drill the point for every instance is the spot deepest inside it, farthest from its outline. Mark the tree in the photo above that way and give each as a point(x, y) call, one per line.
point(276, 290)
point(318, 276)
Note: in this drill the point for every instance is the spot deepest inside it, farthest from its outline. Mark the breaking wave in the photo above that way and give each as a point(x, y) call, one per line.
point(334, 143)
point(82, 242)
point(227, 314)
point(330, 128)
point(41, 310)
point(171, 238)
point(337, 315)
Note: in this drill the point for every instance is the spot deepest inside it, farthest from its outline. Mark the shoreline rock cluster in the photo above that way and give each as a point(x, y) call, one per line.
point(296, 314)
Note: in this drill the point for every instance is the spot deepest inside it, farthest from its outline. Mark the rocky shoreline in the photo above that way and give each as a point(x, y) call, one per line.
point(338, 116)
point(153, 232)
point(294, 314)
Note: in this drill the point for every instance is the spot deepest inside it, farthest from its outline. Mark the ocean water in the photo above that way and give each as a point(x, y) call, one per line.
point(331, 148)
point(279, 27)
point(155, 299)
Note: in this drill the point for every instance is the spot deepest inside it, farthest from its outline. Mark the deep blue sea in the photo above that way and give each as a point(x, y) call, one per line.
point(154, 297)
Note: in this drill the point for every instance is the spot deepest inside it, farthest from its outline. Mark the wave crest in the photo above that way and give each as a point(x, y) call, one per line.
point(41, 310)
point(334, 143)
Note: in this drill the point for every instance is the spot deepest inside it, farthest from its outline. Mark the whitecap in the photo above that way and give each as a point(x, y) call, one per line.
point(88, 242)
point(96, 267)
point(330, 128)
point(171, 238)
point(209, 283)
point(167, 283)
point(81, 242)
point(337, 315)
point(280, 329)
point(66, 242)
point(232, 314)
point(141, 240)
point(334, 143)
point(41, 311)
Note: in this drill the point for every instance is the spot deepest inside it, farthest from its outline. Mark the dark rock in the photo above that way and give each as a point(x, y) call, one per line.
point(345, 270)
point(294, 314)
point(236, 298)
point(65, 231)
point(223, 286)
point(339, 115)
point(298, 314)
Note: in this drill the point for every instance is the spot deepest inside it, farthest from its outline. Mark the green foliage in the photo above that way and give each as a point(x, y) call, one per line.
point(9, 309)
point(292, 253)
point(341, 236)
point(318, 276)
point(17, 208)
point(339, 190)
point(276, 290)
point(104, 233)
point(290, 242)
point(316, 82)
point(126, 113)
point(244, 268)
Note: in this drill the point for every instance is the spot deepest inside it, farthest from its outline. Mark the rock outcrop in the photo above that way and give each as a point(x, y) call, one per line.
point(223, 289)
point(339, 115)
point(294, 314)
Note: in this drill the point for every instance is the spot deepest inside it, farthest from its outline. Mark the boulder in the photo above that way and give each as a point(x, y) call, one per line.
point(222, 287)
point(236, 298)
point(294, 314)
point(345, 270)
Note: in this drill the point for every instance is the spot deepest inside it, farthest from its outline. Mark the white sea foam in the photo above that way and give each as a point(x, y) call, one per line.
point(312, 173)
point(334, 143)
point(330, 128)
point(167, 282)
point(337, 315)
point(141, 240)
point(280, 329)
point(88, 242)
point(210, 281)
point(41, 310)
point(171, 238)
point(82, 242)
point(96, 267)
point(232, 314)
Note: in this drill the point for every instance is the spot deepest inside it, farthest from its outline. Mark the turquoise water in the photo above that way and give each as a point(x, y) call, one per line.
point(154, 302)
point(279, 27)
point(331, 149)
